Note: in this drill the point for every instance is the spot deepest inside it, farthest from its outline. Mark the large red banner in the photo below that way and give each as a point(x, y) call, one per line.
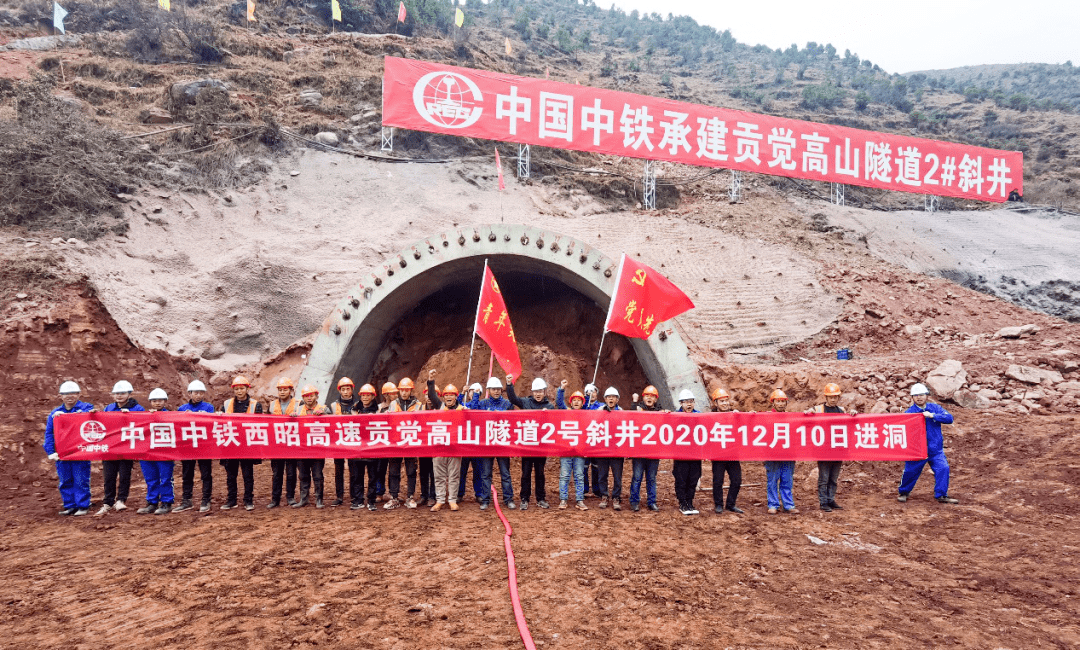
point(629, 434)
point(426, 96)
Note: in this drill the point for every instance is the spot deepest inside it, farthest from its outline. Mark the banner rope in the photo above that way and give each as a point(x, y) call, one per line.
point(519, 615)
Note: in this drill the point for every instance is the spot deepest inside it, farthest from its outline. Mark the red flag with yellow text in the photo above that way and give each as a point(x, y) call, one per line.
point(642, 300)
point(493, 325)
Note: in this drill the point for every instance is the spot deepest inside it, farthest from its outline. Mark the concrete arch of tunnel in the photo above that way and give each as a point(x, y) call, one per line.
point(352, 337)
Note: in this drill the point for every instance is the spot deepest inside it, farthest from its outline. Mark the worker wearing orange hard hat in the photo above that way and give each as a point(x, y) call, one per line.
point(447, 469)
point(780, 474)
point(240, 402)
point(284, 470)
point(573, 466)
point(645, 467)
point(310, 470)
point(829, 470)
point(388, 392)
point(722, 403)
point(343, 405)
point(406, 402)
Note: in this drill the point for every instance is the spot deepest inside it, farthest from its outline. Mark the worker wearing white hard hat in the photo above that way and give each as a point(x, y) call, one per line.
point(613, 466)
point(158, 473)
point(74, 475)
point(196, 392)
point(532, 466)
point(935, 416)
point(686, 473)
point(117, 473)
point(494, 402)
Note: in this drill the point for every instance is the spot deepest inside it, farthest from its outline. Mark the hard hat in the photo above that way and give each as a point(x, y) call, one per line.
point(590, 388)
point(611, 392)
point(367, 389)
point(405, 384)
point(285, 382)
point(919, 389)
point(577, 395)
point(123, 387)
point(195, 385)
point(69, 387)
point(450, 389)
point(309, 390)
point(777, 395)
point(476, 386)
point(719, 393)
point(157, 393)
point(832, 389)
point(389, 388)
point(345, 381)
point(650, 390)
point(494, 383)
point(240, 380)
point(686, 395)
point(539, 384)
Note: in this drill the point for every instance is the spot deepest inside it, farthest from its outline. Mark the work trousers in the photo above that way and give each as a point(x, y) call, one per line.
point(827, 478)
point(913, 470)
point(592, 484)
point(447, 475)
point(644, 468)
point(357, 468)
point(393, 482)
point(117, 480)
point(576, 467)
point(159, 480)
point(381, 465)
point(734, 471)
point(284, 471)
point(187, 478)
point(74, 478)
point(533, 466)
point(779, 478)
point(487, 466)
point(464, 477)
point(232, 467)
point(339, 479)
point(686, 473)
point(310, 470)
point(614, 466)
point(426, 469)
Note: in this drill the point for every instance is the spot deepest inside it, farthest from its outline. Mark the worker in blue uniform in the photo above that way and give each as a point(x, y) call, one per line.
point(493, 402)
point(74, 475)
point(158, 473)
point(196, 391)
point(935, 448)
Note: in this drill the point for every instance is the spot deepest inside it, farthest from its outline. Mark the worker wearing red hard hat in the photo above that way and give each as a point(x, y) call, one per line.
point(240, 402)
point(573, 466)
point(284, 469)
point(722, 403)
point(780, 474)
point(829, 470)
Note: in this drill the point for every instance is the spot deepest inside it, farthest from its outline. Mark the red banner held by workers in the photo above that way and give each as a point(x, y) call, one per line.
point(426, 96)
point(629, 434)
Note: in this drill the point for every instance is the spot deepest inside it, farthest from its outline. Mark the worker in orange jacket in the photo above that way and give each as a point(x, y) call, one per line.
point(284, 470)
point(310, 469)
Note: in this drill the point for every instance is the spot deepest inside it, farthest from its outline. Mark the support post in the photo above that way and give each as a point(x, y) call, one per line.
point(838, 190)
point(930, 203)
point(648, 194)
point(388, 139)
point(523, 161)
point(736, 186)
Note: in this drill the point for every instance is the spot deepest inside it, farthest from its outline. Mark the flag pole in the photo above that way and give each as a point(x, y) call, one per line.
point(607, 319)
point(479, 301)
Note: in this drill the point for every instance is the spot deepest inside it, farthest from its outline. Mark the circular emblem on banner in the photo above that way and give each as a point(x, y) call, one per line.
point(448, 100)
point(92, 431)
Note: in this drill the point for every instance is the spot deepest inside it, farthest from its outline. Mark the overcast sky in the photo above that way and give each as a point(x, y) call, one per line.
point(898, 36)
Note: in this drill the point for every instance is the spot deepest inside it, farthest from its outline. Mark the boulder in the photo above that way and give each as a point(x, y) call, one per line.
point(311, 98)
point(913, 330)
point(1069, 387)
point(1017, 331)
point(155, 116)
point(186, 92)
point(990, 394)
point(329, 138)
point(947, 378)
point(970, 400)
point(1030, 375)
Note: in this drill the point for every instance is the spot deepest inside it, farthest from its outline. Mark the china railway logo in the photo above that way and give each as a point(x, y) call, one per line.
point(448, 100)
point(92, 431)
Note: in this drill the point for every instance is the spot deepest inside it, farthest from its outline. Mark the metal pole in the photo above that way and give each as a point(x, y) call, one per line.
point(649, 181)
point(523, 161)
point(736, 186)
point(479, 301)
point(596, 370)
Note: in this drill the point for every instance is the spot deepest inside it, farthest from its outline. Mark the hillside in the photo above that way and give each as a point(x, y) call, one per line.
point(1039, 86)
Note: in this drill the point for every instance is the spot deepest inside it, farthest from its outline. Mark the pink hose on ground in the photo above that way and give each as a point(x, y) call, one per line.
point(519, 616)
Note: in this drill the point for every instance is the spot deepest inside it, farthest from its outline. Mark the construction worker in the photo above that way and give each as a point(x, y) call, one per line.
point(358, 466)
point(447, 470)
point(722, 404)
point(687, 473)
point(196, 391)
point(283, 469)
point(158, 473)
point(645, 467)
point(389, 395)
point(935, 448)
point(829, 470)
point(473, 392)
point(310, 470)
point(532, 465)
point(240, 402)
point(405, 403)
point(780, 474)
point(574, 465)
point(117, 473)
point(612, 465)
point(74, 475)
point(592, 403)
point(343, 406)
point(494, 402)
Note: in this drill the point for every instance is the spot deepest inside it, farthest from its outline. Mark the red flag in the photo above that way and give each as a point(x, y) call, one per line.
point(642, 300)
point(401, 12)
point(498, 165)
point(493, 325)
